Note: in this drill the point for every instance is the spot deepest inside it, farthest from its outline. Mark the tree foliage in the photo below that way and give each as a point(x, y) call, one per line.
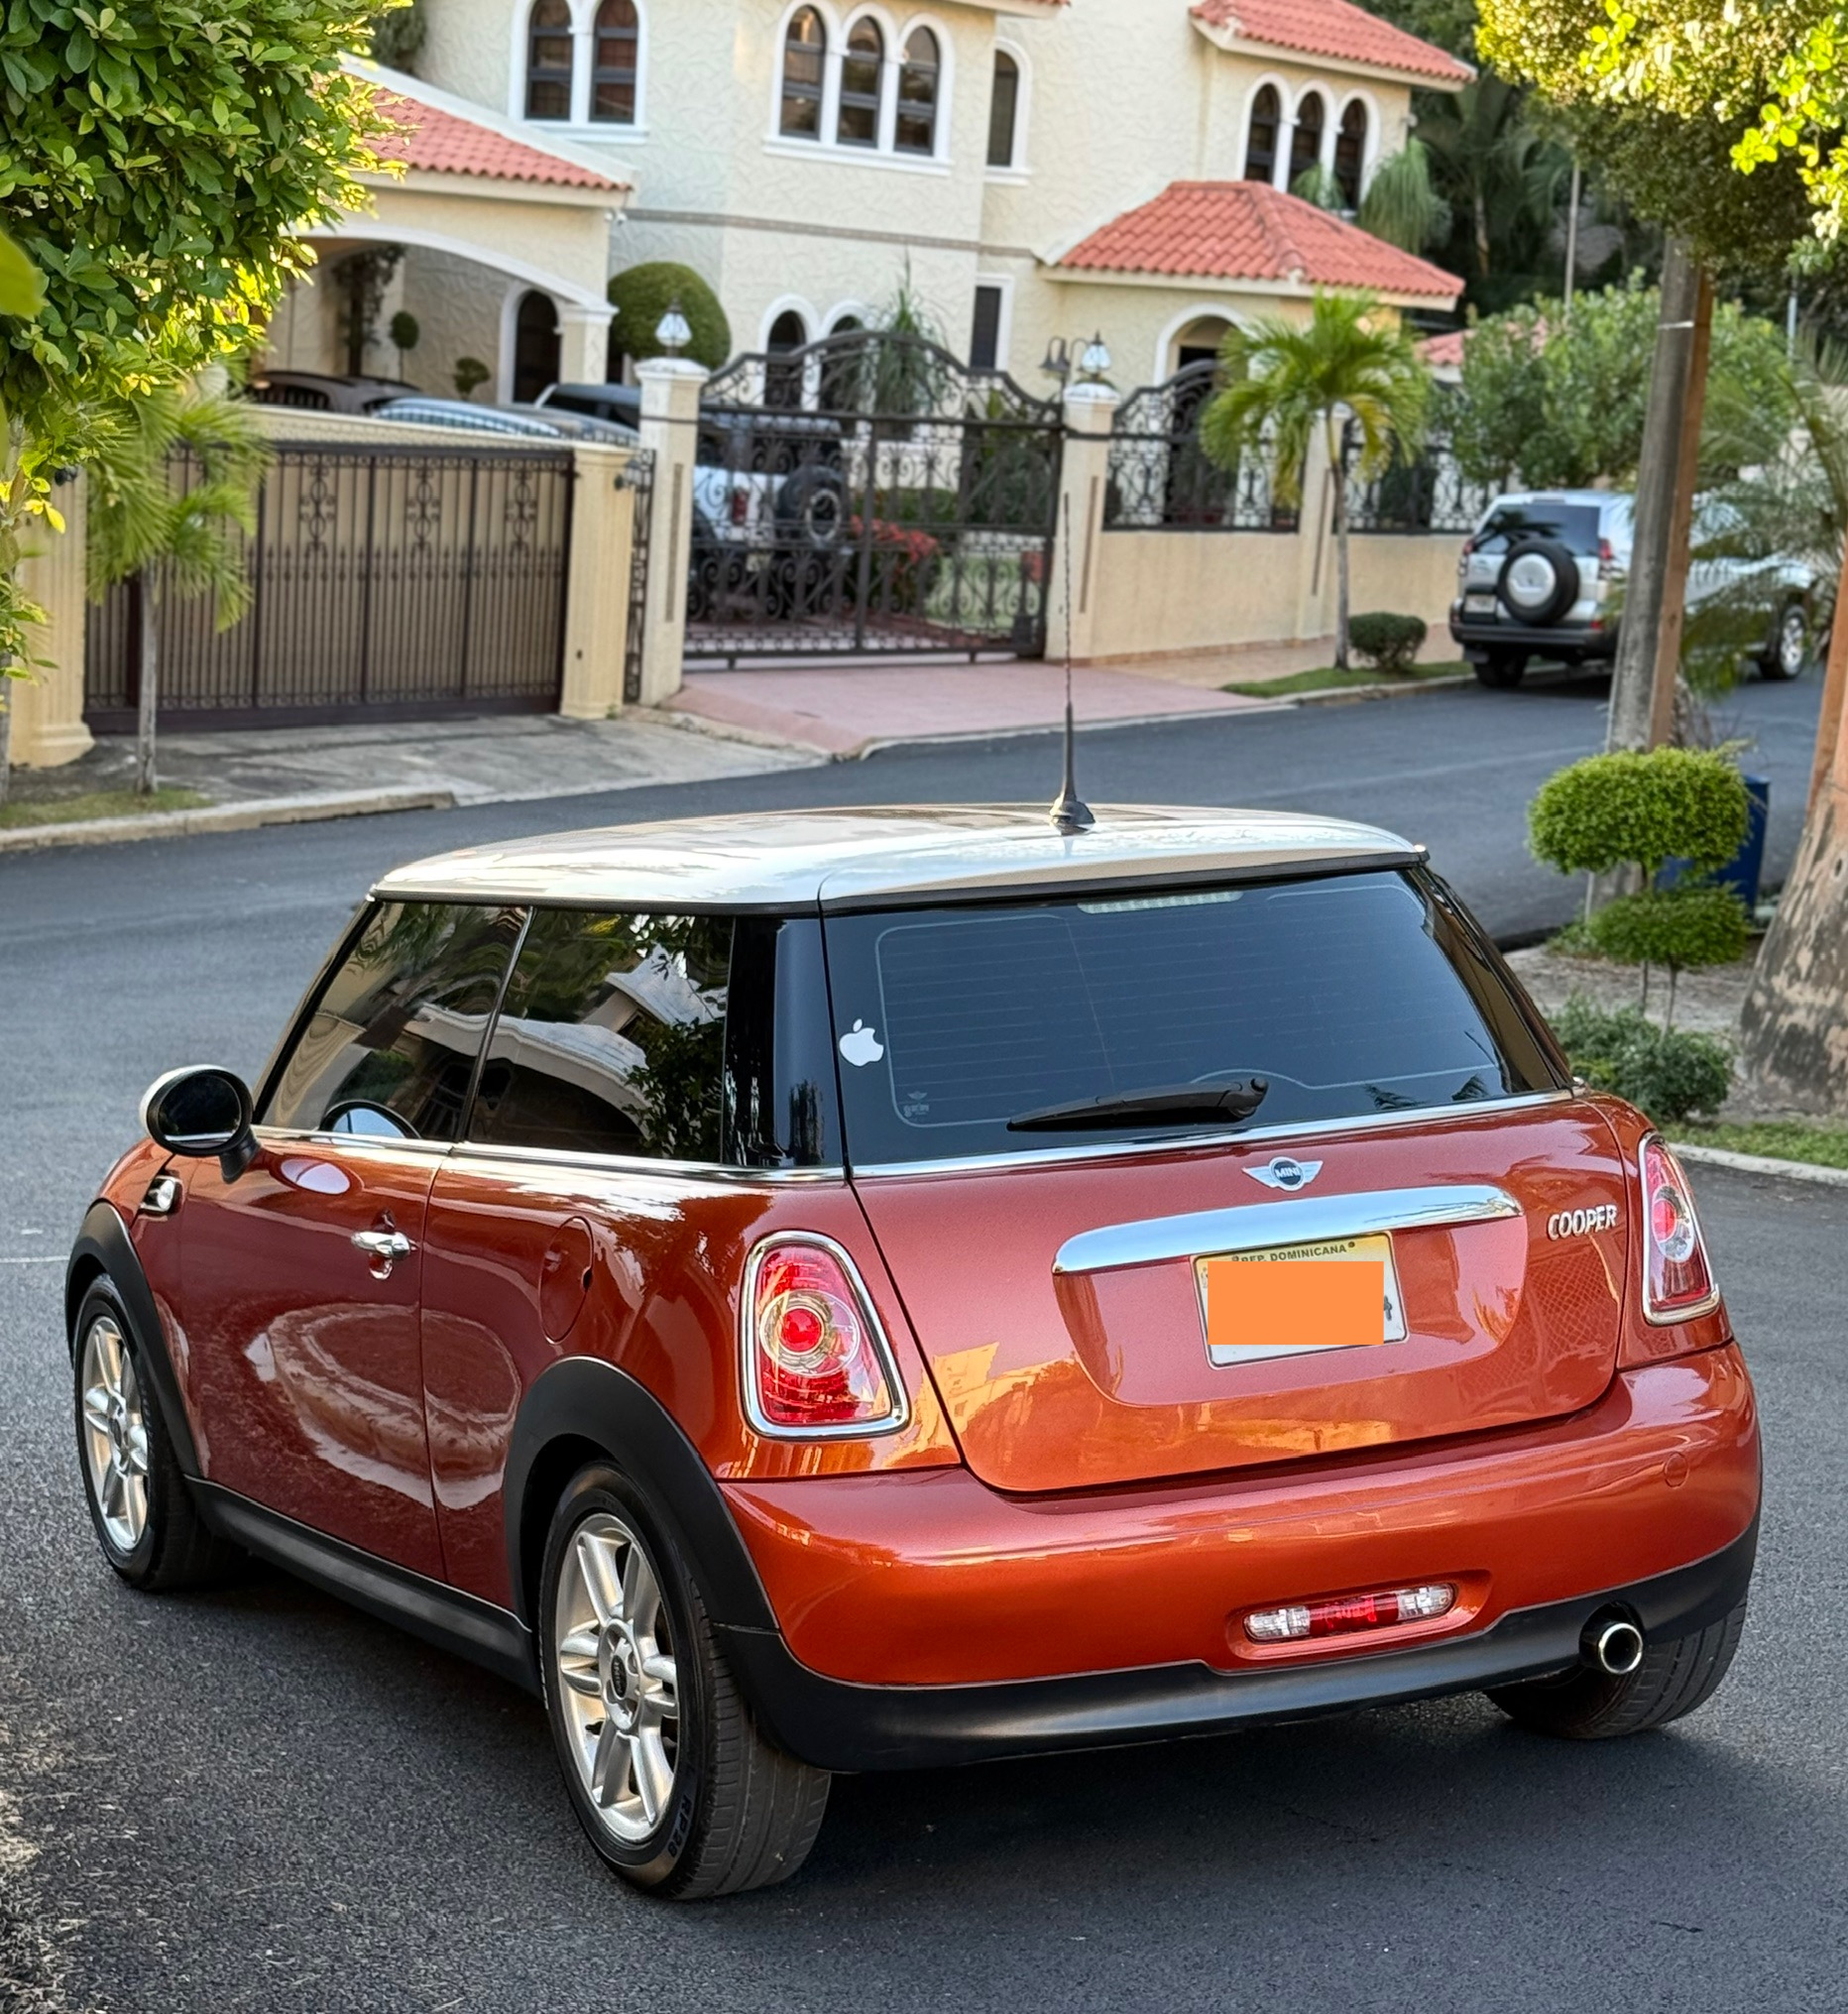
point(157, 161)
point(1560, 402)
point(1666, 1072)
point(1402, 204)
point(644, 294)
point(1639, 809)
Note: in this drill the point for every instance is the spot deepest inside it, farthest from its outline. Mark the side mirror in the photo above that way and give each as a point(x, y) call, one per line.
point(199, 1112)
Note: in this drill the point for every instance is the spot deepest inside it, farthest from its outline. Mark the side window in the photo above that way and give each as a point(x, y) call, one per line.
point(390, 1046)
point(611, 1037)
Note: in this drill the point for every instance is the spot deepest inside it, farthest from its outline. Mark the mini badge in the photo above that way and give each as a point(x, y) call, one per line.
point(1283, 1174)
point(861, 1045)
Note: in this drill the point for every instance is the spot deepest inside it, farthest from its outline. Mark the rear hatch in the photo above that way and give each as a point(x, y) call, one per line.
point(1095, 1293)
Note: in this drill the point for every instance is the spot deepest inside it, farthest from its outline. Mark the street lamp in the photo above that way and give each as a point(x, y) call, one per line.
point(1091, 360)
point(673, 332)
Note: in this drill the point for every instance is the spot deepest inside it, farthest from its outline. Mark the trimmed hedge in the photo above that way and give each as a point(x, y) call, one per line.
point(1388, 643)
point(1666, 805)
point(644, 294)
point(1676, 927)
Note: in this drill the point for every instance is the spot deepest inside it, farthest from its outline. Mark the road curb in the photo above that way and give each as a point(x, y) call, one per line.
point(1340, 694)
point(224, 819)
point(1759, 1164)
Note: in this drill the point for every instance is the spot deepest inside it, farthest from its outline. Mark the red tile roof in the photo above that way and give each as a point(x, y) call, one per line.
point(1333, 28)
point(1444, 352)
point(1248, 230)
point(444, 143)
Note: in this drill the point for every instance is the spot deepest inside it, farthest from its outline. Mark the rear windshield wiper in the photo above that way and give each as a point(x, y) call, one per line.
point(1172, 1105)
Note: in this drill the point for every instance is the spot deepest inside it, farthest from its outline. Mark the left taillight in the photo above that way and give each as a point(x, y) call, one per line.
point(1677, 1276)
point(816, 1362)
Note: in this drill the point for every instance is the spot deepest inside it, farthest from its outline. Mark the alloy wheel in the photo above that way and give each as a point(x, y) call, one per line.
point(618, 1681)
point(115, 1434)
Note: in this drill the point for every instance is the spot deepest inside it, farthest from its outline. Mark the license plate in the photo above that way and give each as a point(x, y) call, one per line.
point(1478, 605)
point(1339, 1294)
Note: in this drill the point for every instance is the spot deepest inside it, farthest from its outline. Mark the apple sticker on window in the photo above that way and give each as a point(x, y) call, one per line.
point(861, 1045)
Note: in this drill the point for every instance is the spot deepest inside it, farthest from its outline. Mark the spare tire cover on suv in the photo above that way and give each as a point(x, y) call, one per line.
point(811, 506)
point(1539, 582)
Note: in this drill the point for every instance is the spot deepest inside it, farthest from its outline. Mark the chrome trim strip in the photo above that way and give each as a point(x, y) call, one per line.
point(640, 1164)
point(1263, 1227)
point(1198, 1142)
point(856, 1430)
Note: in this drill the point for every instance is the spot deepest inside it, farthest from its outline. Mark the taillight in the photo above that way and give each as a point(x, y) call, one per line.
point(740, 506)
point(816, 1362)
point(1607, 560)
point(1677, 1280)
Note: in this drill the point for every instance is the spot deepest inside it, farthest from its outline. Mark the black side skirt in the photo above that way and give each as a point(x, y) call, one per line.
point(837, 1725)
point(470, 1628)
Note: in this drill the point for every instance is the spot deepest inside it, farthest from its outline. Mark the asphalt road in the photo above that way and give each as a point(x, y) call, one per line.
point(258, 1799)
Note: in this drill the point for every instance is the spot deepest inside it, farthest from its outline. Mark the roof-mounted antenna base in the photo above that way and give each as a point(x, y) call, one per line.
point(1068, 813)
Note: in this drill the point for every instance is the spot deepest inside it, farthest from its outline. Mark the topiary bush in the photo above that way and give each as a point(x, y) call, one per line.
point(1677, 927)
point(1666, 804)
point(1390, 643)
point(1667, 1073)
point(644, 294)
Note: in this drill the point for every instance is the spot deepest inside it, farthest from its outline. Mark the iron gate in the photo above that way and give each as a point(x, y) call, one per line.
point(869, 494)
point(384, 581)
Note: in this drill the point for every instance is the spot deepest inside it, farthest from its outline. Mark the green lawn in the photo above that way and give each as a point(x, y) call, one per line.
point(97, 805)
point(1779, 1140)
point(1325, 678)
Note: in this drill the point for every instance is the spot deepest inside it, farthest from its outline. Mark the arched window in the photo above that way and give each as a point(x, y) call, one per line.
point(1306, 141)
point(535, 346)
point(917, 94)
point(805, 59)
point(782, 382)
point(1351, 153)
point(548, 60)
point(1003, 110)
point(612, 66)
point(1261, 140)
point(863, 70)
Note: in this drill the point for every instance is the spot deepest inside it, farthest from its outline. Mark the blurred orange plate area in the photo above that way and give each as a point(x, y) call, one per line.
point(1340, 1295)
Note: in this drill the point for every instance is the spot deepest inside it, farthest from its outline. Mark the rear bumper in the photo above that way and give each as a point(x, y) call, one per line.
point(924, 1618)
point(836, 1726)
point(1556, 640)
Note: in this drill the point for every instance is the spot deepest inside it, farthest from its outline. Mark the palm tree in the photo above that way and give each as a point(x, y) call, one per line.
point(1348, 365)
point(1504, 177)
point(148, 520)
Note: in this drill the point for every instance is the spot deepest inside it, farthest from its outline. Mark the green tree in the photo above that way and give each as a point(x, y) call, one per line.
point(1559, 401)
point(1402, 204)
point(174, 475)
point(642, 294)
point(159, 160)
point(1284, 383)
point(1505, 182)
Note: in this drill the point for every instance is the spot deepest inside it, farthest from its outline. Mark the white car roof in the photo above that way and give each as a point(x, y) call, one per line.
point(864, 856)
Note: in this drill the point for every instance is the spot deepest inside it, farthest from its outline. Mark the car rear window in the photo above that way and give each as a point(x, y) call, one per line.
point(1575, 526)
point(1349, 996)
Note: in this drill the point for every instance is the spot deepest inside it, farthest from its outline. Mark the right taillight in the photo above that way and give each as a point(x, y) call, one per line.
point(1677, 1278)
point(816, 1365)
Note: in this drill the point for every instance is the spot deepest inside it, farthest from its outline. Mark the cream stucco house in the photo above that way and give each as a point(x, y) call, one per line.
point(1042, 170)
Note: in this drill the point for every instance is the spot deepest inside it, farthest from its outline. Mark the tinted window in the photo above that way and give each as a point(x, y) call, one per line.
point(1575, 526)
point(392, 1042)
point(780, 1105)
point(1348, 996)
point(611, 1037)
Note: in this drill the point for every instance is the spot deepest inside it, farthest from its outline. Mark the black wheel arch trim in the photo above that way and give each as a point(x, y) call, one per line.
point(445, 1616)
point(104, 1245)
point(835, 1725)
point(585, 1399)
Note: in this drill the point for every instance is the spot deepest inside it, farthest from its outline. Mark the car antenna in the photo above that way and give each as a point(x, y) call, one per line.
point(1069, 813)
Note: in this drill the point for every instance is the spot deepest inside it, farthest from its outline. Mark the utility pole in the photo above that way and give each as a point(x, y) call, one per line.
point(1649, 640)
point(1572, 242)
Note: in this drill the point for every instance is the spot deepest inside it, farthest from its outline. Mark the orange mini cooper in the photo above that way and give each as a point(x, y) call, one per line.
point(860, 1289)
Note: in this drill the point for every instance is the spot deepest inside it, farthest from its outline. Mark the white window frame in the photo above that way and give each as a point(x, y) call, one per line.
point(1004, 326)
point(1286, 148)
point(1370, 152)
point(1286, 125)
point(884, 154)
point(1020, 168)
point(580, 125)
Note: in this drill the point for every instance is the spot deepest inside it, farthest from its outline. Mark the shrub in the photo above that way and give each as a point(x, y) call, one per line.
point(1676, 927)
point(470, 372)
point(1388, 643)
point(644, 294)
point(1666, 805)
point(1666, 1072)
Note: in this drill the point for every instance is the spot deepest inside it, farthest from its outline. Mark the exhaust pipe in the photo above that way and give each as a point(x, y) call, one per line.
point(1615, 1644)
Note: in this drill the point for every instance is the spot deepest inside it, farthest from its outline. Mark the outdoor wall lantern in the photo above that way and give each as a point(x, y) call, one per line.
point(1091, 361)
point(673, 332)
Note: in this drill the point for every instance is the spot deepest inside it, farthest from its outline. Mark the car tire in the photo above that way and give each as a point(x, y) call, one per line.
point(1501, 670)
point(145, 1522)
point(1676, 1676)
point(1788, 653)
point(674, 1782)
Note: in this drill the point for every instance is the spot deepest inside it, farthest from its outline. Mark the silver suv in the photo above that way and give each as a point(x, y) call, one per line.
point(1541, 577)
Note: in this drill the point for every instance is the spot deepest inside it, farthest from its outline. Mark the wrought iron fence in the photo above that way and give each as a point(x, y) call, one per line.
point(384, 579)
point(637, 477)
point(1429, 494)
point(1160, 479)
